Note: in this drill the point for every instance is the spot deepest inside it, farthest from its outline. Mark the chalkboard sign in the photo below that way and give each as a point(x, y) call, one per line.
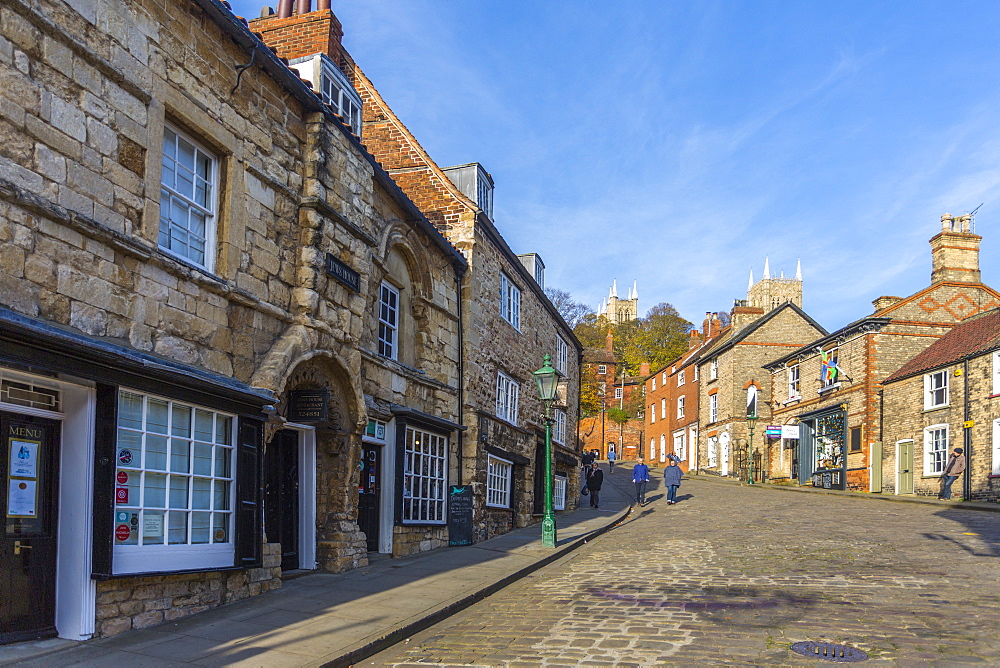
point(459, 515)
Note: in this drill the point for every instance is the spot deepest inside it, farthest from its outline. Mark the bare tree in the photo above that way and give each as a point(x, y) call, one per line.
point(571, 311)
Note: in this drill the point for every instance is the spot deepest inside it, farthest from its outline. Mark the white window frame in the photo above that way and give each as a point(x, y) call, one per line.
point(713, 451)
point(713, 369)
point(558, 492)
point(935, 458)
point(653, 388)
point(510, 302)
point(188, 204)
point(713, 408)
point(680, 407)
point(559, 426)
point(499, 476)
point(824, 382)
point(663, 379)
point(680, 446)
point(694, 374)
point(147, 558)
point(425, 477)
point(794, 382)
point(388, 321)
point(663, 409)
point(562, 355)
point(996, 372)
point(338, 92)
point(619, 392)
point(936, 389)
point(680, 378)
point(602, 369)
point(996, 447)
point(652, 413)
point(508, 395)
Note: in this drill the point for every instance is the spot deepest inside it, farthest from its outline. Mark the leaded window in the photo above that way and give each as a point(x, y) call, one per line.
point(510, 302)
point(508, 394)
point(388, 321)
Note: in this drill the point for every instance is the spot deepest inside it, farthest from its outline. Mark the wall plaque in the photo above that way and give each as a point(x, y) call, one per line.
point(343, 273)
point(308, 406)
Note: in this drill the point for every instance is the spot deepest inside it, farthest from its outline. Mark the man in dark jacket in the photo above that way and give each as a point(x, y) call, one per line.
point(955, 468)
point(640, 476)
point(672, 480)
point(595, 478)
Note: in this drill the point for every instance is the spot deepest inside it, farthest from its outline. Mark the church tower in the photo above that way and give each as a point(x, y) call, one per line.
point(618, 310)
point(770, 292)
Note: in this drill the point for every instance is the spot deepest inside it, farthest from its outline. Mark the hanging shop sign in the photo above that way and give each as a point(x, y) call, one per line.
point(308, 406)
point(790, 431)
point(773, 431)
point(343, 273)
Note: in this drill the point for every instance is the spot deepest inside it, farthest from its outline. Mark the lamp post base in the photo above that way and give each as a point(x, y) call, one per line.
point(548, 531)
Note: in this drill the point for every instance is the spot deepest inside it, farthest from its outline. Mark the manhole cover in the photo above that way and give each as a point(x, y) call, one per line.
point(829, 651)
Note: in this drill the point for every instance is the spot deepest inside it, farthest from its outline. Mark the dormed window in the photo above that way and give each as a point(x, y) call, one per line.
point(338, 92)
point(936, 389)
point(508, 392)
point(188, 199)
point(510, 301)
point(388, 321)
point(498, 477)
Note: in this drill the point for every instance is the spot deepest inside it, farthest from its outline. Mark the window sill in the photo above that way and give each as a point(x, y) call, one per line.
point(497, 507)
point(792, 400)
point(829, 388)
point(936, 408)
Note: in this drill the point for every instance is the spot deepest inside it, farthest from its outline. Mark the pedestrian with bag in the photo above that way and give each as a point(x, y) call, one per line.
point(955, 468)
point(595, 478)
point(585, 461)
point(672, 480)
point(611, 461)
point(640, 476)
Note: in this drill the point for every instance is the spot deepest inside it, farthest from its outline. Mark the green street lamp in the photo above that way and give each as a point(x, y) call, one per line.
point(751, 422)
point(548, 384)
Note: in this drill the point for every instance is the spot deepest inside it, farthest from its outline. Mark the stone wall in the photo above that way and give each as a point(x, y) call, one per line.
point(124, 604)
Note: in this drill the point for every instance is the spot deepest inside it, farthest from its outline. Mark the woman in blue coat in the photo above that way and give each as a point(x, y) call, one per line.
point(672, 480)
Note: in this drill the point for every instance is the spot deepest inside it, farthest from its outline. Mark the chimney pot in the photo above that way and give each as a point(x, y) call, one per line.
point(303, 6)
point(284, 9)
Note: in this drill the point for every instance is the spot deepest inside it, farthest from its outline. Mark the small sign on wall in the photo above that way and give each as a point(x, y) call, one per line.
point(343, 273)
point(308, 406)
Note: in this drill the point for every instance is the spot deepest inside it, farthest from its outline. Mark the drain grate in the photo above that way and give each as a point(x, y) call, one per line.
point(829, 651)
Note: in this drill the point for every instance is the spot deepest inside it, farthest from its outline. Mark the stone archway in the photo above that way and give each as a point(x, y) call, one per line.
point(340, 545)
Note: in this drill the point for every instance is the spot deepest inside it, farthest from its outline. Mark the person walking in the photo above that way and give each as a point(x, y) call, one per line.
point(595, 478)
point(672, 480)
point(955, 468)
point(611, 461)
point(640, 476)
point(585, 461)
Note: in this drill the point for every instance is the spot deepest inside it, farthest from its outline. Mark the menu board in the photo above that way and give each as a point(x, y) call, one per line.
point(459, 515)
point(22, 478)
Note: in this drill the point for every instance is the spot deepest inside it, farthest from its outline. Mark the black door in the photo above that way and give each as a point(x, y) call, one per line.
point(281, 495)
point(369, 488)
point(28, 489)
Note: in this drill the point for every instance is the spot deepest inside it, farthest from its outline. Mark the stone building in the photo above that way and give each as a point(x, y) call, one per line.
point(730, 373)
point(618, 310)
point(946, 397)
point(615, 389)
point(219, 319)
point(508, 324)
point(831, 387)
point(770, 292)
point(672, 400)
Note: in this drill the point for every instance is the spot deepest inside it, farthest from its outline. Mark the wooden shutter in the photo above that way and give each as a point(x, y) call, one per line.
point(249, 505)
point(105, 445)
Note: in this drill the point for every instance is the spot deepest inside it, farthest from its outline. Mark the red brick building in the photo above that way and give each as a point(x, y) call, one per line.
point(616, 389)
point(672, 400)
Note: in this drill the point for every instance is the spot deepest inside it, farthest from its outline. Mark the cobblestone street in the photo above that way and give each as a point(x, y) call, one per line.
point(735, 575)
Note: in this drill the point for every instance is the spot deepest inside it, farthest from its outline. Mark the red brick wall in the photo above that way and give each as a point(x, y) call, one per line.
point(302, 34)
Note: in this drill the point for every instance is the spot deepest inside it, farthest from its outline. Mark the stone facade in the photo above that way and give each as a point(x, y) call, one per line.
point(873, 348)
point(728, 369)
point(90, 91)
point(492, 343)
point(970, 373)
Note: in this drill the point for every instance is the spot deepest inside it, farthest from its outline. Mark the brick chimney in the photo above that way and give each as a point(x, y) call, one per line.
point(694, 339)
point(302, 33)
point(955, 251)
point(643, 369)
point(609, 342)
point(742, 315)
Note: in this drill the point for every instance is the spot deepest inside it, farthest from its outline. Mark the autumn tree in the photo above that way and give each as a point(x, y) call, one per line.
point(571, 311)
point(659, 338)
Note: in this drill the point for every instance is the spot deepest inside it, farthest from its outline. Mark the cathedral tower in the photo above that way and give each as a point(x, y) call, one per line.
point(770, 292)
point(618, 310)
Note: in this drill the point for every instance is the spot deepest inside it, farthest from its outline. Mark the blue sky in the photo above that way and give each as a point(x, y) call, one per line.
point(679, 143)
